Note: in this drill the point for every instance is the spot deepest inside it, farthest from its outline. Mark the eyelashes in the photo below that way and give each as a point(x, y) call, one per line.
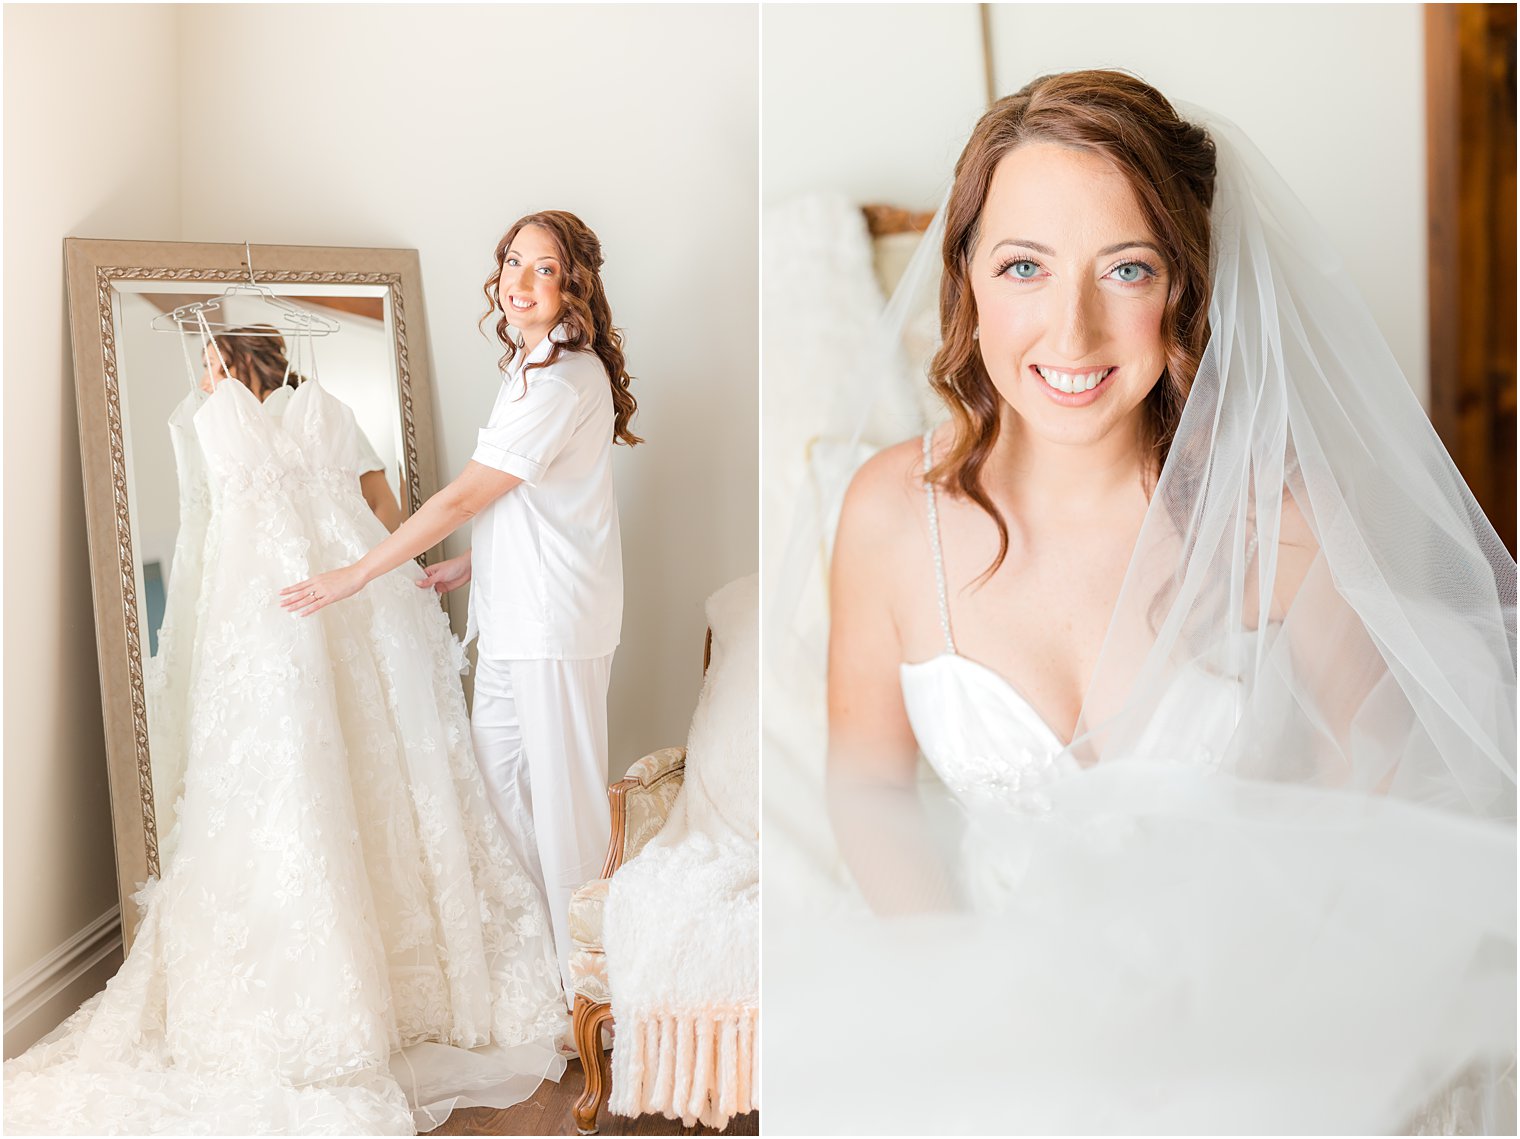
point(543, 270)
point(1010, 262)
point(1149, 271)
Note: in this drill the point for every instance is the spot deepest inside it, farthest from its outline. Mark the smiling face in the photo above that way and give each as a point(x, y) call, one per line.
point(529, 289)
point(1070, 288)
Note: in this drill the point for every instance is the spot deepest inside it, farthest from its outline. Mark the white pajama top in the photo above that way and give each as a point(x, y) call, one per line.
point(546, 557)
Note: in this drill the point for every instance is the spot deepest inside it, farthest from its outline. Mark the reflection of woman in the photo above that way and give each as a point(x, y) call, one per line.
point(255, 356)
point(1195, 622)
point(546, 560)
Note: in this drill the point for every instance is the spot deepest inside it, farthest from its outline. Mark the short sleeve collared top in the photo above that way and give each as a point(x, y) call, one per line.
point(547, 559)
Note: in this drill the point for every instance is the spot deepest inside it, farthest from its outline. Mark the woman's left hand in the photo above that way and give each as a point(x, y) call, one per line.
point(305, 597)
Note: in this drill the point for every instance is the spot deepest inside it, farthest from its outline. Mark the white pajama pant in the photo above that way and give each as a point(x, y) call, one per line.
point(540, 733)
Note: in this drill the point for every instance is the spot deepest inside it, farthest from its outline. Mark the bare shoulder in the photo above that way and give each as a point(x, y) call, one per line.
point(880, 536)
point(884, 493)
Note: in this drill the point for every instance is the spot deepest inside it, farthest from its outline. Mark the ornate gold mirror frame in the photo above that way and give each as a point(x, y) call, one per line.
point(95, 271)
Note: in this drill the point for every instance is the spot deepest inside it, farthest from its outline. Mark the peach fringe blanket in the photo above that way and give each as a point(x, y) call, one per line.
point(681, 927)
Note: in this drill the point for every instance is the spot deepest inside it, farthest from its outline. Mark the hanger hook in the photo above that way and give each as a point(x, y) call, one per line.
point(248, 255)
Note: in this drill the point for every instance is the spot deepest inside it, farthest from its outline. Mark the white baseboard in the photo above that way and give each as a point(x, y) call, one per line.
point(62, 967)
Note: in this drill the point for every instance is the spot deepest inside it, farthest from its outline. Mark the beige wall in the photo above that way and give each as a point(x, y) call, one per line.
point(867, 100)
point(394, 126)
point(641, 120)
point(875, 102)
point(91, 149)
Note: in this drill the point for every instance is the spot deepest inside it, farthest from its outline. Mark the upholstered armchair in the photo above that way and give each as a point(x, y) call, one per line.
point(641, 803)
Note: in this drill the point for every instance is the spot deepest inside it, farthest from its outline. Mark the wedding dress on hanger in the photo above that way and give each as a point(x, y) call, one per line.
point(341, 940)
point(167, 675)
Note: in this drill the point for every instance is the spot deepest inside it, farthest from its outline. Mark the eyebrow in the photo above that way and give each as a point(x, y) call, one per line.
point(545, 257)
point(1049, 252)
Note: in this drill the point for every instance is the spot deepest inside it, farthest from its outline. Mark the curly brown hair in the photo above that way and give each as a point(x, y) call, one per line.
point(254, 355)
point(585, 311)
point(1168, 163)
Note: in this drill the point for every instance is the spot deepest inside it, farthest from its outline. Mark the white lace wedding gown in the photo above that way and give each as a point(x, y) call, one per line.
point(341, 939)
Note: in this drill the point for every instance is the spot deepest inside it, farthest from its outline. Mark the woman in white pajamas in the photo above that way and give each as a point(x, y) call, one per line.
point(546, 561)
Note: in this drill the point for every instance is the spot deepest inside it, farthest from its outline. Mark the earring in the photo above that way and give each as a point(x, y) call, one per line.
point(976, 334)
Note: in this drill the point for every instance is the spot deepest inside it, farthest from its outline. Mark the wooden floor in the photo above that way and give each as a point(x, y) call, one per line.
point(548, 1113)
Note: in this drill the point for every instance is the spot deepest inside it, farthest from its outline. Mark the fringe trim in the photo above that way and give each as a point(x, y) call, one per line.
point(696, 1066)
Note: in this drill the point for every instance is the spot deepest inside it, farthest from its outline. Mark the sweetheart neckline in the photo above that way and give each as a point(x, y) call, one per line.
point(207, 397)
point(1004, 684)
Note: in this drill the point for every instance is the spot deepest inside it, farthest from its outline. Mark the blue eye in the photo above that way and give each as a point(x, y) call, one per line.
point(546, 270)
point(1131, 272)
point(1023, 269)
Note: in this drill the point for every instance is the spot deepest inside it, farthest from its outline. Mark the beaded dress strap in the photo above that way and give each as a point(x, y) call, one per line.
point(939, 557)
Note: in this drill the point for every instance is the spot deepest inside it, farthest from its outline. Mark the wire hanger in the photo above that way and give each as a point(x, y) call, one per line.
point(192, 319)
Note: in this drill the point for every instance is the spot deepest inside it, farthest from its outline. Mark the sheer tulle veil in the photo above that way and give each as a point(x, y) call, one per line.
point(1391, 661)
point(1306, 493)
point(1350, 851)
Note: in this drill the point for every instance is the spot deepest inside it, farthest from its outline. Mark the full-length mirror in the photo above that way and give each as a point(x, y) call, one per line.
point(157, 328)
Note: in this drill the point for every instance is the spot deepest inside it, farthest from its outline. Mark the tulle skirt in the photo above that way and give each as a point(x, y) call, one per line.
point(1164, 950)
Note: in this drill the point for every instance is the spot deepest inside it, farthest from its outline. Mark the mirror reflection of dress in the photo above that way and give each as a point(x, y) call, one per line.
point(336, 886)
point(167, 675)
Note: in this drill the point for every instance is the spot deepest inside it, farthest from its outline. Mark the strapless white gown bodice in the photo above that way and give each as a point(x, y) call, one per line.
point(990, 747)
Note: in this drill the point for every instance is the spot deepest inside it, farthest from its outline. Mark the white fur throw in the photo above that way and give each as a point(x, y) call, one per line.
point(682, 923)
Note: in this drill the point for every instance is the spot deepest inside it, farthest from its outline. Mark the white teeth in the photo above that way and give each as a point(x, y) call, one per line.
point(1072, 382)
point(521, 304)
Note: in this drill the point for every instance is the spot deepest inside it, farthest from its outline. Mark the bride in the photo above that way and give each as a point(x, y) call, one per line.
point(1211, 654)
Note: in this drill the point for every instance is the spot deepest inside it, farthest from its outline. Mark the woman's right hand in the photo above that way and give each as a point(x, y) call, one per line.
point(446, 575)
